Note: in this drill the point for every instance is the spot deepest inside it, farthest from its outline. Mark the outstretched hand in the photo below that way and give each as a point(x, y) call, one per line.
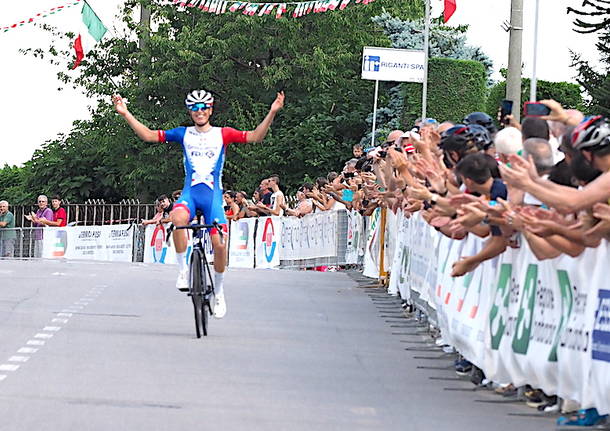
point(120, 105)
point(278, 103)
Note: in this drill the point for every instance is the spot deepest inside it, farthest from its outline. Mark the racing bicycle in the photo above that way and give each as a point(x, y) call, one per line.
point(201, 282)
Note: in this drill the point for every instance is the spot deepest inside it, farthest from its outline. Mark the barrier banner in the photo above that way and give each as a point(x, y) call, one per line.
point(241, 243)
point(372, 244)
point(523, 321)
point(312, 236)
point(109, 243)
point(268, 234)
point(355, 238)
point(158, 250)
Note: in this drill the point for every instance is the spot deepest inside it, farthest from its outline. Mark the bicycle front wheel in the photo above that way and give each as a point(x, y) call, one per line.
point(196, 291)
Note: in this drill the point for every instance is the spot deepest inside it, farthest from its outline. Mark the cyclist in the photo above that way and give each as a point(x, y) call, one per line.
point(204, 148)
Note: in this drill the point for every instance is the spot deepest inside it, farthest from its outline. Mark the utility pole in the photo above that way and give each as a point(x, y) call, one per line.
point(534, 80)
point(513, 80)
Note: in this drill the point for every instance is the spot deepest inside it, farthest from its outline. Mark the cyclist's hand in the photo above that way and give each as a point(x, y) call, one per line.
point(120, 105)
point(278, 103)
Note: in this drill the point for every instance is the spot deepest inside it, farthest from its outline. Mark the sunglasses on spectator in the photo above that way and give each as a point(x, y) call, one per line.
point(199, 107)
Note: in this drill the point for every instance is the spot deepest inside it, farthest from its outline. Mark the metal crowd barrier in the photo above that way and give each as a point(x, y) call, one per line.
point(21, 242)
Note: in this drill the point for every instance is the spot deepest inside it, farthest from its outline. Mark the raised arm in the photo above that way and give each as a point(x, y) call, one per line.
point(258, 134)
point(140, 129)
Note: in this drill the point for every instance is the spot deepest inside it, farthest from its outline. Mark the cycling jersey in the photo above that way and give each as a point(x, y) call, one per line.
point(204, 154)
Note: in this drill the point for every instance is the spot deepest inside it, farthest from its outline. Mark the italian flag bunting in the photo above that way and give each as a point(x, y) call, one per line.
point(450, 7)
point(93, 32)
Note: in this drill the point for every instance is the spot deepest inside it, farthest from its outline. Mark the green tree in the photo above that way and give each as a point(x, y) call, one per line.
point(594, 18)
point(244, 61)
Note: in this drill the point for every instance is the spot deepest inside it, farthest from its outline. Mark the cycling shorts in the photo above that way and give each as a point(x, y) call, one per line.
point(209, 202)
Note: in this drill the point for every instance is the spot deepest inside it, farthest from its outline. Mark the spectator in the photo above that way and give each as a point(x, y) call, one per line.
point(176, 194)
point(167, 208)
point(231, 208)
point(265, 192)
point(357, 151)
point(7, 232)
point(43, 212)
point(303, 207)
point(157, 217)
point(277, 199)
point(243, 202)
point(508, 141)
point(59, 214)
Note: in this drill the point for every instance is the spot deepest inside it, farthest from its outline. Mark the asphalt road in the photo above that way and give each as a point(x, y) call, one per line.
point(107, 346)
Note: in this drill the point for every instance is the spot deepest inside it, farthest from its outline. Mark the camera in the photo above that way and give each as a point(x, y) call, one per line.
point(347, 175)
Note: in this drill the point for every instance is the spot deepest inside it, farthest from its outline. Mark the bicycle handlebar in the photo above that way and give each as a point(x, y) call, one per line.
point(196, 227)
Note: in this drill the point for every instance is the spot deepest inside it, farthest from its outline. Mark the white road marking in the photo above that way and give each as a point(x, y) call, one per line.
point(58, 273)
point(64, 314)
point(81, 303)
point(59, 320)
point(27, 350)
point(2, 377)
point(43, 336)
point(35, 342)
point(18, 358)
point(51, 328)
point(75, 307)
point(9, 367)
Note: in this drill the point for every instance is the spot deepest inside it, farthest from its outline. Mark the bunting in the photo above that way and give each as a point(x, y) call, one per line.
point(40, 15)
point(297, 9)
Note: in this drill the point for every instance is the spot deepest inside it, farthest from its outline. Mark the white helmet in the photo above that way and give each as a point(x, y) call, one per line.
point(199, 96)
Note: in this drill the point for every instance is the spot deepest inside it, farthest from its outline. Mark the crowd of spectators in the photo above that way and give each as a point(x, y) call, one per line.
point(545, 180)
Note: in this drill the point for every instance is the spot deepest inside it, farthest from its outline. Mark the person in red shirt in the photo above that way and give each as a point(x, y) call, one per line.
point(59, 214)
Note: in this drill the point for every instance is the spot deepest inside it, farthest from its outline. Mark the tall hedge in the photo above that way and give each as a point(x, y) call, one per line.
point(566, 93)
point(455, 89)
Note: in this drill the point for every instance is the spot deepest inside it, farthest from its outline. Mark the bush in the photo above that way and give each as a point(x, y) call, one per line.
point(455, 89)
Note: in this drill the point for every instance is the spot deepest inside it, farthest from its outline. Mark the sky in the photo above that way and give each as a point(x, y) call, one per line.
point(34, 111)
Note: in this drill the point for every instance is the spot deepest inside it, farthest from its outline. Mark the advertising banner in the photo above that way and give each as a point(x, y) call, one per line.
point(312, 236)
point(108, 243)
point(389, 64)
point(268, 234)
point(523, 321)
point(371, 251)
point(241, 244)
point(158, 250)
point(355, 241)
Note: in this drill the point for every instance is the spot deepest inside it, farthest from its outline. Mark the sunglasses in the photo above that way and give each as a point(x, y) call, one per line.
point(199, 107)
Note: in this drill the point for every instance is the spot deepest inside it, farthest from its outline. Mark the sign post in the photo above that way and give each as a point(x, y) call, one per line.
point(387, 64)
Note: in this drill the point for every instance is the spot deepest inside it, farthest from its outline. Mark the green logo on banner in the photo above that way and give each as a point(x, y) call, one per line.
point(565, 287)
point(499, 310)
point(404, 265)
point(523, 329)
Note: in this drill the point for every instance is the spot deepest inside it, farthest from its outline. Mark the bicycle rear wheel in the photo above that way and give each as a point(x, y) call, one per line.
point(196, 292)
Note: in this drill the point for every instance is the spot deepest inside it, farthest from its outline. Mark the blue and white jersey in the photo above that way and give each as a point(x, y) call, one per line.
point(204, 152)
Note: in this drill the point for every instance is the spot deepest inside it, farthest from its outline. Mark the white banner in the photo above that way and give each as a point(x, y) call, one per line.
point(110, 243)
point(309, 237)
point(354, 249)
point(158, 250)
point(521, 320)
point(371, 251)
point(268, 234)
point(241, 245)
point(389, 64)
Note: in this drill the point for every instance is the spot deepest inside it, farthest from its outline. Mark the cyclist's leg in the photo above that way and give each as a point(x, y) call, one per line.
point(181, 216)
point(213, 211)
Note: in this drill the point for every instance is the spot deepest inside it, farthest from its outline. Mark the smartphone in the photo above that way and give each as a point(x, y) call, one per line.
point(535, 109)
point(506, 108)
